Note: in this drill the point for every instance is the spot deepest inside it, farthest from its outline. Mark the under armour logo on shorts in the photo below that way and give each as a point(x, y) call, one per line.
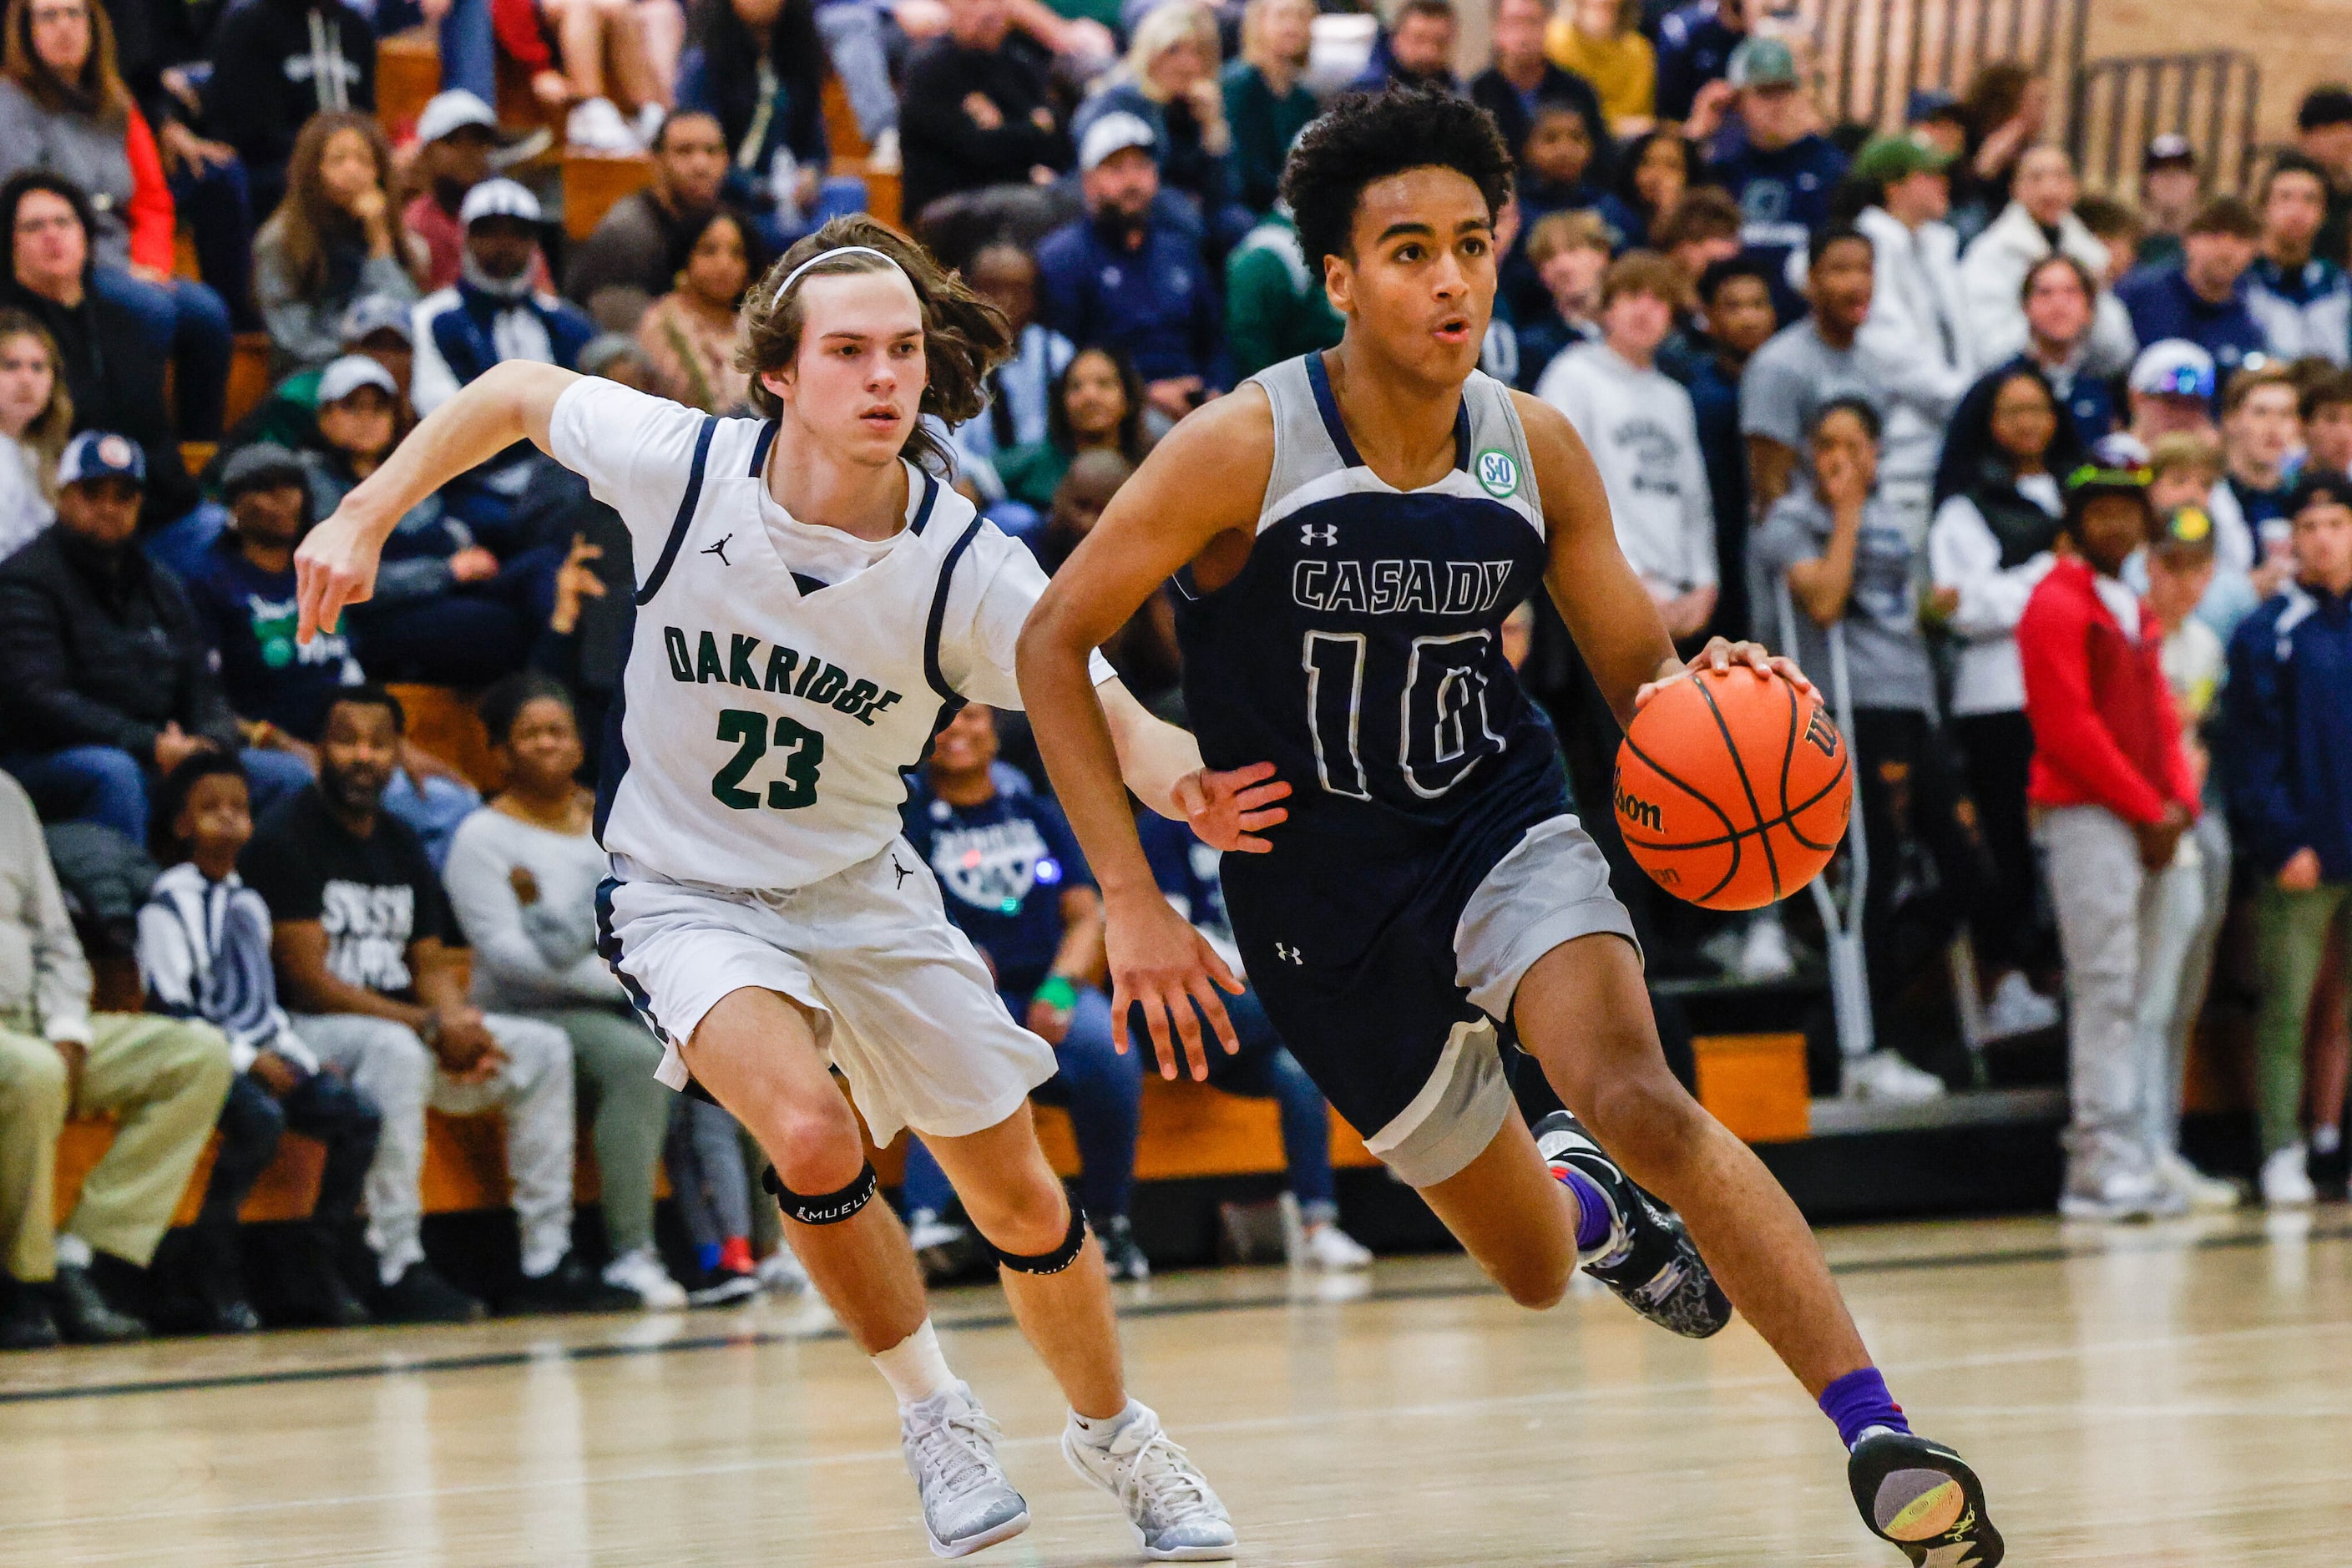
point(1288, 955)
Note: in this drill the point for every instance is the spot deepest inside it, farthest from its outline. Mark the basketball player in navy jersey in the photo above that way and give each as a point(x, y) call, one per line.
point(1347, 532)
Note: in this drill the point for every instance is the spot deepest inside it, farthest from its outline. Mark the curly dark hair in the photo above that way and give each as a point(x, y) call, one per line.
point(964, 336)
point(163, 840)
point(1365, 137)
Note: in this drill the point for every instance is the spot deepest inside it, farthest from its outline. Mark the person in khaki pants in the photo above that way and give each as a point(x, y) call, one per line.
point(162, 1080)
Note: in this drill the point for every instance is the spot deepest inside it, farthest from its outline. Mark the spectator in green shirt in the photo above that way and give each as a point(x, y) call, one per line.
point(1274, 305)
point(1266, 106)
point(1097, 403)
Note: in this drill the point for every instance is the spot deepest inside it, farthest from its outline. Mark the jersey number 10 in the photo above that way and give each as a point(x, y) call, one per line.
point(749, 732)
point(1443, 727)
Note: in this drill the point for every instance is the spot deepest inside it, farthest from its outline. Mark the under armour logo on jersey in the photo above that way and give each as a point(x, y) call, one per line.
point(1326, 535)
point(1288, 955)
point(901, 871)
point(719, 549)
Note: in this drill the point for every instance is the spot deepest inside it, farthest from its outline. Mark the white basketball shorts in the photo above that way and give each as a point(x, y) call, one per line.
point(902, 1003)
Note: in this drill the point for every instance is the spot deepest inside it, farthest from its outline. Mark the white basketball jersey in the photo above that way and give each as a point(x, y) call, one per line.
point(765, 718)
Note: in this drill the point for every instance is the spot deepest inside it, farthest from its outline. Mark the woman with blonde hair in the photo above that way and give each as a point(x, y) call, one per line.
point(1598, 39)
point(1266, 102)
point(1169, 81)
point(336, 236)
point(35, 417)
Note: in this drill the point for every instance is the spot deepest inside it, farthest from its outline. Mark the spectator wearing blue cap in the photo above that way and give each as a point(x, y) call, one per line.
point(105, 678)
point(2203, 299)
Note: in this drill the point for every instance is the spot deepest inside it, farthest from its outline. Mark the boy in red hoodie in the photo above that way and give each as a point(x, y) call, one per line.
point(2112, 793)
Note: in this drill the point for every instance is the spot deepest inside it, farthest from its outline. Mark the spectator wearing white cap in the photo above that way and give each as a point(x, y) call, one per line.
point(1130, 276)
point(492, 313)
point(2038, 223)
point(2171, 390)
point(458, 147)
point(375, 325)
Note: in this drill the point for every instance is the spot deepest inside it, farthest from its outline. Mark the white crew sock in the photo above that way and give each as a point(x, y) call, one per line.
point(915, 1368)
point(1100, 1432)
point(73, 1252)
point(2325, 1141)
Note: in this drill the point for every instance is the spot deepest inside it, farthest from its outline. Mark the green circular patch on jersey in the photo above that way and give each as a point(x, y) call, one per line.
point(1497, 472)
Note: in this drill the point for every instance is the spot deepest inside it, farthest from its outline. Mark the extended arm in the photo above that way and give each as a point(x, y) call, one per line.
point(1199, 486)
point(508, 403)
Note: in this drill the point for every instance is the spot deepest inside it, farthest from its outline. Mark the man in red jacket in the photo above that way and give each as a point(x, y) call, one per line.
point(2112, 793)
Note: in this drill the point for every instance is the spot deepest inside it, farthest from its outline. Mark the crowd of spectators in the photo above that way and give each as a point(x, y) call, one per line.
point(2053, 489)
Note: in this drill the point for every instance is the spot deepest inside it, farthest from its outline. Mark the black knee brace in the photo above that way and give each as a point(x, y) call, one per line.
point(1052, 1262)
point(826, 1208)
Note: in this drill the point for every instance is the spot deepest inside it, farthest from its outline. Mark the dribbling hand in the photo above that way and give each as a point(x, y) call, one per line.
point(1722, 654)
point(1228, 810)
point(1162, 963)
point(334, 568)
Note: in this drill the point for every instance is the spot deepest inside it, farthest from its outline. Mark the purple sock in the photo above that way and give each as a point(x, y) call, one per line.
point(1592, 1211)
point(1859, 1401)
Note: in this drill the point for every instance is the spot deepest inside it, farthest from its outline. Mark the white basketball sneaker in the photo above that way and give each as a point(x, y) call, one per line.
point(1175, 1516)
point(641, 1273)
point(1888, 1078)
point(950, 1448)
point(2286, 1180)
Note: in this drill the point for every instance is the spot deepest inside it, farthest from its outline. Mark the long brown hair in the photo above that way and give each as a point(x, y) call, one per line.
point(964, 336)
point(308, 219)
point(47, 433)
point(101, 91)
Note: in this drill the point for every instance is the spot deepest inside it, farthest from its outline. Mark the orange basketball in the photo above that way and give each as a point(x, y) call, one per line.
point(1733, 789)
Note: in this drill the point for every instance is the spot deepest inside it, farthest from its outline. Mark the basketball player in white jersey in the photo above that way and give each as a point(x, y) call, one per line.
point(812, 602)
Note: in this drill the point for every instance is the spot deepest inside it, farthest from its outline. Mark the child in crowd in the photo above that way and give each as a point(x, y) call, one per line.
point(2184, 470)
point(1569, 252)
point(739, 1242)
point(1639, 425)
point(2287, 721)
point(2195, 895)
point(204, 953)
point(2114, 796)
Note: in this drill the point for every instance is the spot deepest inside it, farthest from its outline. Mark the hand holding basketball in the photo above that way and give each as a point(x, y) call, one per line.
point(1733, 787)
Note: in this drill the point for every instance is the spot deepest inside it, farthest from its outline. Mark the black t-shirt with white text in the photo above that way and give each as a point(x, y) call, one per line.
point(373, 896)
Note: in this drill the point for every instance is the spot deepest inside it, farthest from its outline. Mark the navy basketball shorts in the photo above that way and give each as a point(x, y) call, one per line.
point(1390, 976)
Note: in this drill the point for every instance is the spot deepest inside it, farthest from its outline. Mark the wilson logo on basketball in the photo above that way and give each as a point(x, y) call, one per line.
point(1640, 813)
point(1821, 733)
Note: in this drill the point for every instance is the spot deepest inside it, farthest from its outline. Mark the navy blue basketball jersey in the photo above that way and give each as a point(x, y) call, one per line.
point(1360, 651)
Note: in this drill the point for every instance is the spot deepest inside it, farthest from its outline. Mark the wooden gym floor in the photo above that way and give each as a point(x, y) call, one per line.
point(2163, 1396)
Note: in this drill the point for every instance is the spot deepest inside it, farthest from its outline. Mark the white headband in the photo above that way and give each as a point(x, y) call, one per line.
point(794, 276)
